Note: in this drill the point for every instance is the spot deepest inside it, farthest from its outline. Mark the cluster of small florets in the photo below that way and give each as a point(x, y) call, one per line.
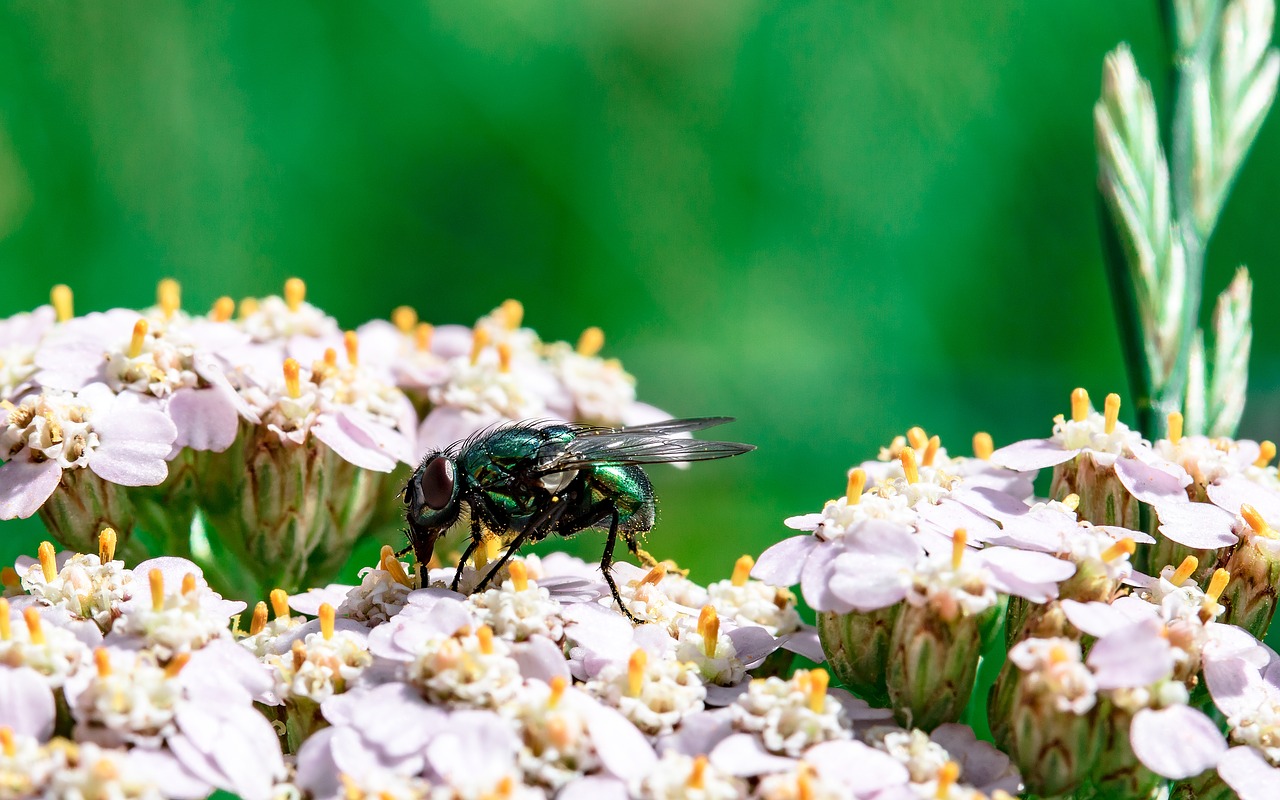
point(1150, 572)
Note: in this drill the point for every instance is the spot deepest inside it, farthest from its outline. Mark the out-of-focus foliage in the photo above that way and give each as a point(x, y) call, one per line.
point(830, 220)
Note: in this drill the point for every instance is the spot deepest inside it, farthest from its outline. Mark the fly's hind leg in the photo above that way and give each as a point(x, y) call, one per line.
point(606, 563)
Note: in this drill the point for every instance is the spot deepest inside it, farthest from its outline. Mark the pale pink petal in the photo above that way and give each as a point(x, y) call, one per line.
point(449, 341)
point(804, 522)
point(1177, 742)
point(855, 768)
point(805, 642)
point(26, 702)
point(1098, 619)
point(1034, 576)
point(387, 440)
point(447, 425)
point(699, 732)
point(753, 644)
point(25, 485)
point(1234, 685)
point(815, 579)
point(981, 764)
point(1197, 525)
point(1031, 454)
point(1153, 483)
point(351, 443)
point(594, 787)
point(743, 755)
point(780, 565)
point(1131, 657)
point(135, 441)
point(1116, 532)
point(1234, 492)
point(309, 602)
point(163, 769)
point(1247, 772)
point(540, 659)
point(205, 418)
point(622, 748)
point(954, 512)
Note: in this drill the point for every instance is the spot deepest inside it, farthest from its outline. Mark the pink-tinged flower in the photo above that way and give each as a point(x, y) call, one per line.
point(792, 715)
point(279, 319)
point(26, 702)
point(477, 755)
point(176, 612)
point(1245, 686)
point(651, 689)
point(91, 771)
point(87, 586)
point(120, 440)
point(1249, 773)
point(681, 777)
point(406, 350)
point(1132, 657)
point(950, 754)
point(1176, 742)
point(1101, 436)
point(20, 337)
point(40, 638)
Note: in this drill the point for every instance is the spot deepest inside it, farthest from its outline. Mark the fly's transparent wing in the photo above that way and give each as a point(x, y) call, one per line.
point(653, 443)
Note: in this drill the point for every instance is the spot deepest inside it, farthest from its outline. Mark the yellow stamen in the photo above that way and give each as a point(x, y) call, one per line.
point(107, 545)
point(512, 313)
point(591, 341)
point(1120, 549)
point(519, 576)
point(479, 341)
point(558, 685)
point(259, 620)
point(102, 660)
point(983, 446)
point(709, 627)
point(7, 745)
point(352, 342)
point(222, 309)
point(104, 771)
point(248, 307)
point(32, 617)
point(9, 578)
point(1184, 570)
point(330, 358)
point(1058, 655)
point(857, 482)
point(1247, 511)
point(279, 603)
point(819, 679)
point(931, 450)
point(698, 774)
point(636, 666)
point(295, 292)
point(1071, 501)
point(959, 541)
point(350, 788)
point(1266, 452)
point(1175, 426)
point(188, 583)
point(139, 338)
point(908, 459)
point(485, 635)
point(168, 296)
point(404, 318)
point(157, 590)
point(1217, 584)
point(742, 570)
point(948, 773)
point(654, 575)
point(504, 357)
point(392, 565)
point(505, 788)
point(61, 299)
point(1079, 405)
point(292, 380)
point(327, 621)
point(176, 666)
point(48, 561)
point(1111, 412)
point(917, 438)
point(6, 627)
point(422, 336)
point(299, 653)
point(804, 782)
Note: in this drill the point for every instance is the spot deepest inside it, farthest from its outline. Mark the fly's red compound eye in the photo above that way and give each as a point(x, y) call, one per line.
point(437, 483)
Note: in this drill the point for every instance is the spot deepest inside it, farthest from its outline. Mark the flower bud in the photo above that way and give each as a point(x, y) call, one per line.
point(857, 646)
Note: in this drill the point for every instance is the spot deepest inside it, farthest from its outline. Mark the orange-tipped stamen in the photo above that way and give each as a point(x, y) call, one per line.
point(636, 666)
point(909, 468)
point(591, 342)
point(6, 626)
point(655, 575)
point(248, 306)
point(61, 299)
point(139, 338)
point(279, 603)
point(709, 627)
point(983, 446)
point(102, 660)
point(1175, 422)
point(7, 744)
point(1079, 405)
point(175, 665)
point(559, 733)
point(1251, 516)
point(484, 634)
point(512, 313)
point(1111, 412)
point(697, 774)
point(1184, 570)
point(48, 561)
point(948, 774)
point(487, 552)
point(1217, 584)
point(31, 616)
point(519, 576)
point(222, 309)
point(558, 685)
point(295, 292)
point(328, 617)
point(1058, 655)
point(1124, 548)
point(168, 297)
point(390, 564)
point(742, 570)
point(9, 578)
point(352, 343)
point(504, 357)
point(917, 438)
point(404, 318)
point(959, 541)
point(505, 789)
point(479, 341)
point(156, 578)
point(857, 482)
point(292, 378)
point(819, 679)
point(931, 450)
point(107, 545)
point(1071, 501)
point(422, 336)
point(1266, 452)
point(330, 359)
point(188, 583)
point(804, 782)
point(259, 620)
point(299, 652)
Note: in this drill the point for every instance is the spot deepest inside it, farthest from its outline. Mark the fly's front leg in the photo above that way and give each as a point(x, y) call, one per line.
point(477, 536)
point(549, 517)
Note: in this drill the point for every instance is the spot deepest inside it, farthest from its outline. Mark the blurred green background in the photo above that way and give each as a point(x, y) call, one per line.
point(830, 220)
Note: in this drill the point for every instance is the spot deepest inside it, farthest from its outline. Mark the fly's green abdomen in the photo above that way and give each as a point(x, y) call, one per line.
point(629, 489)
